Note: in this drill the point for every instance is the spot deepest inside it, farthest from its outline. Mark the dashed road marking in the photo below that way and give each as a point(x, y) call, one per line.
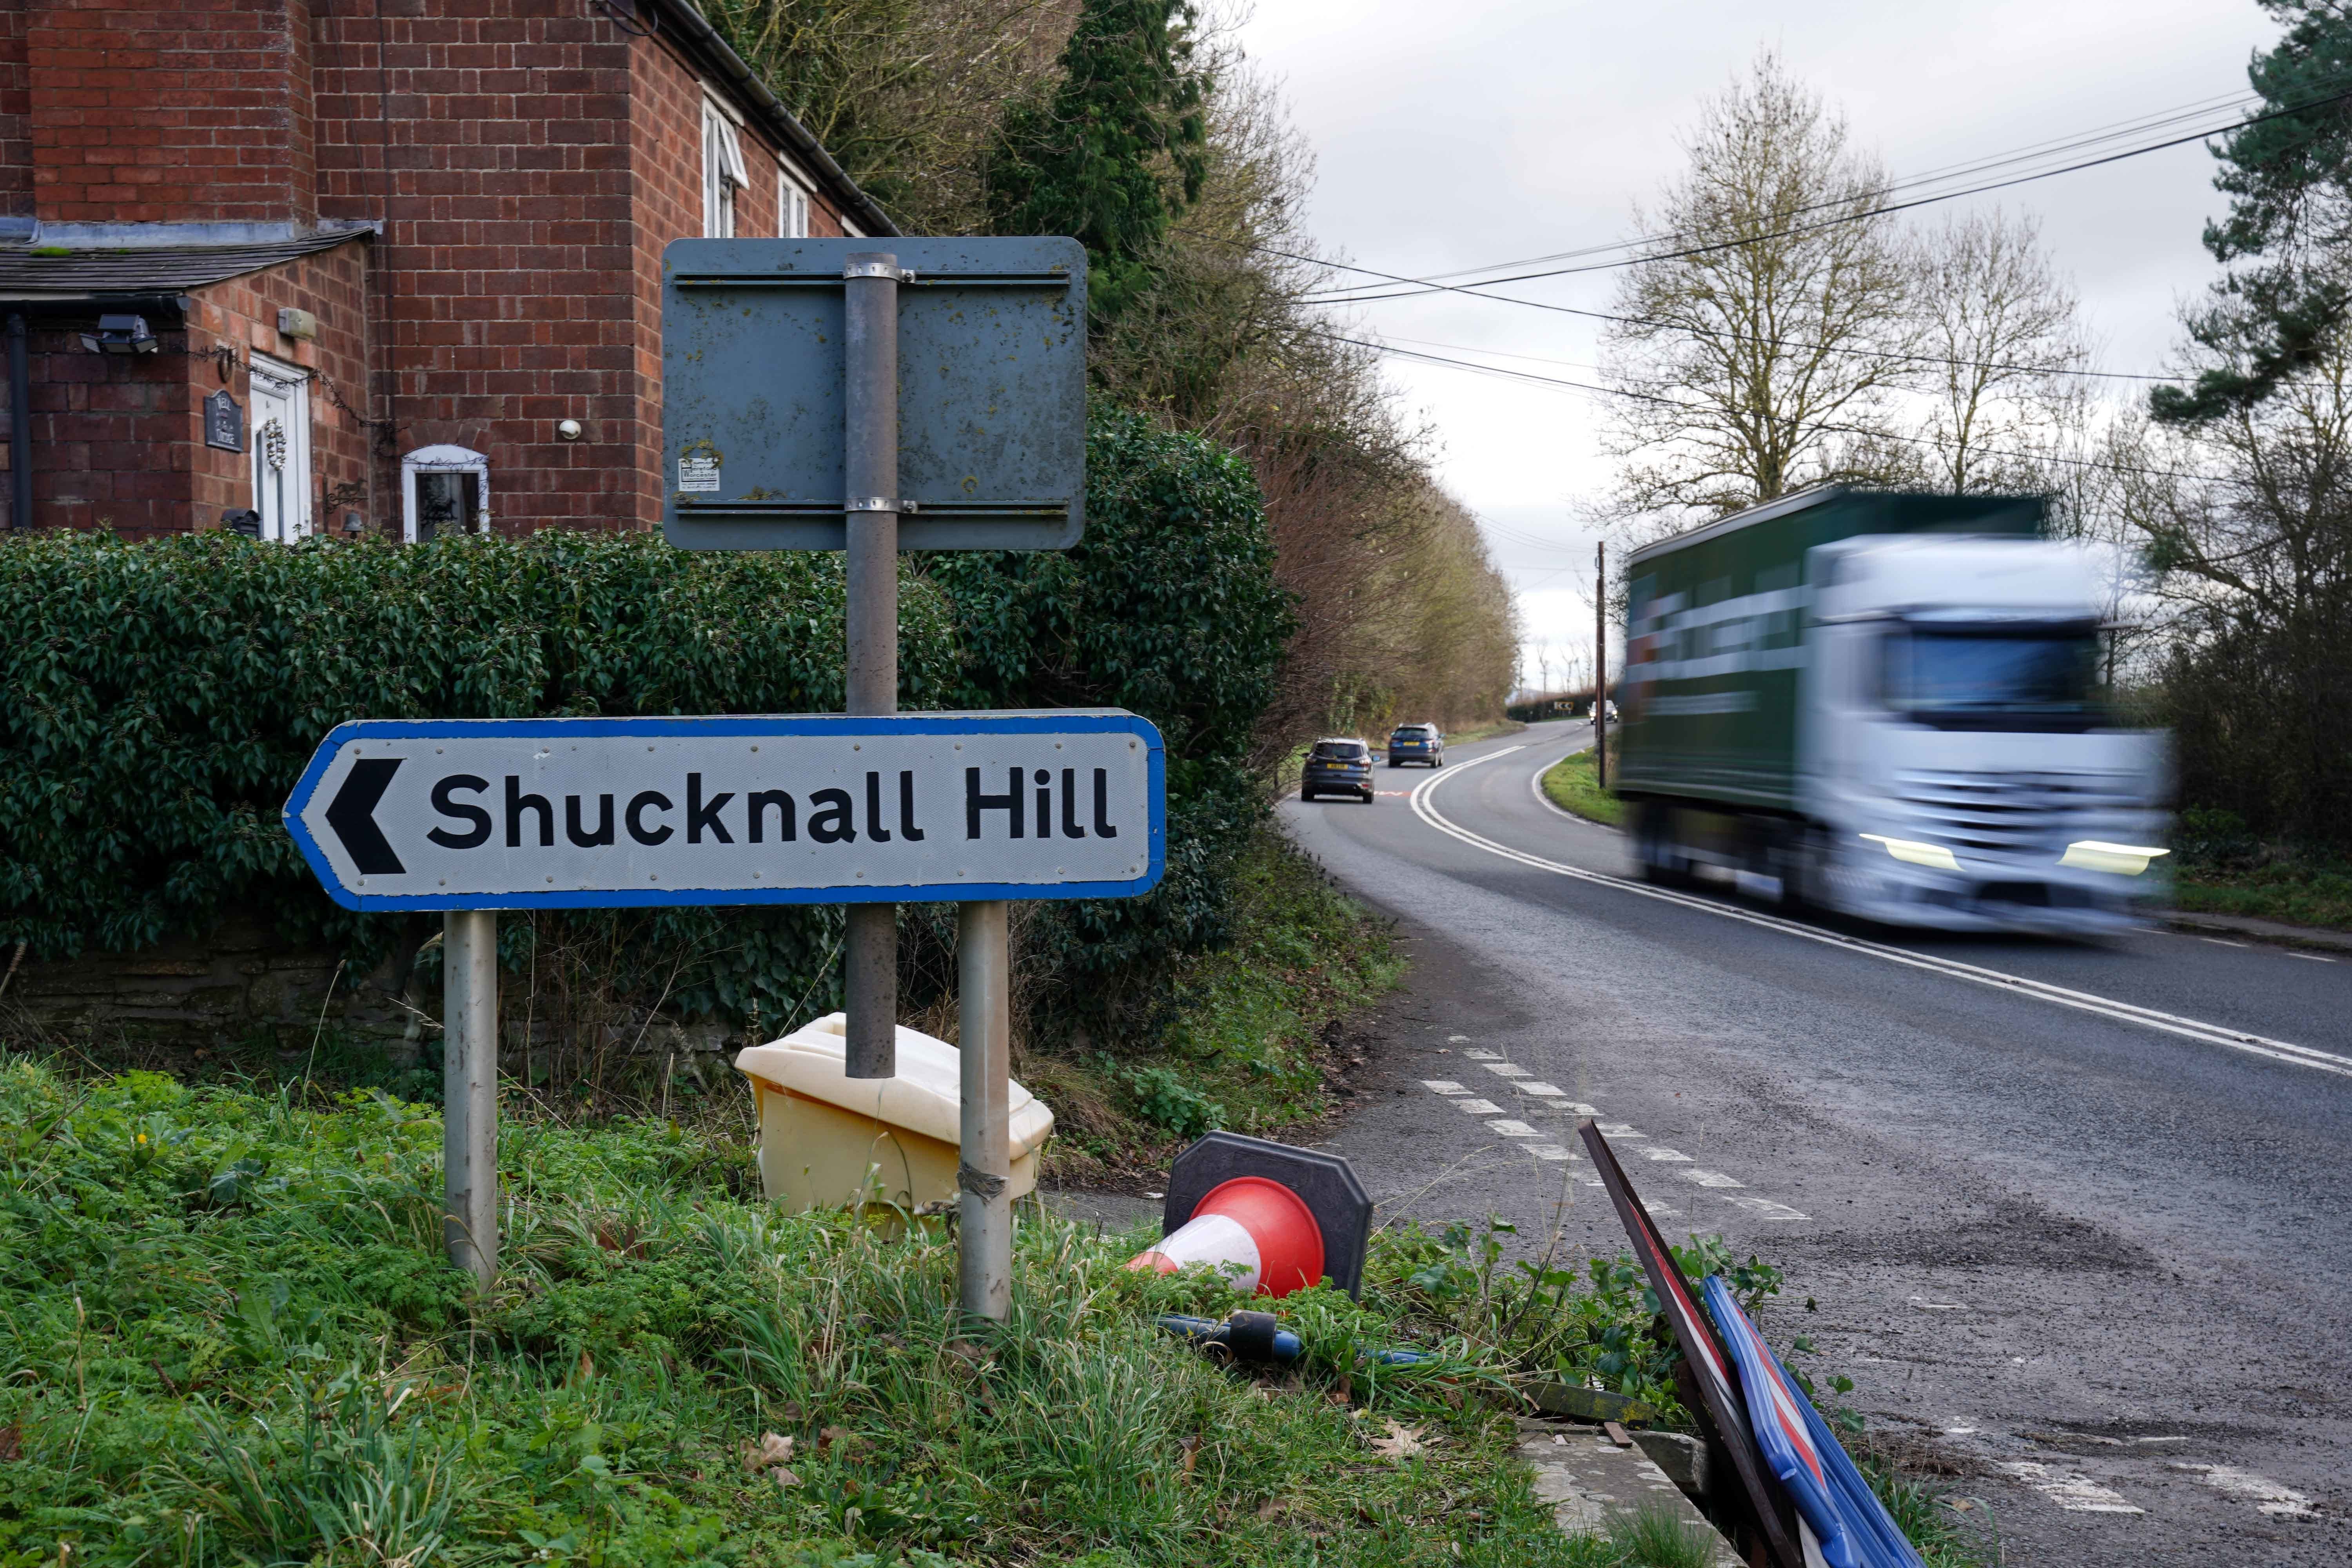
point(2266, 1495)
point(1619, 1131)
point(1443, 1086)
point(1479, 1055)
point(1457, 1039)
point(2074, 1492)
point(1513, 1128)
point(1480, 1107)
point(2311, 957)
point(1709, 1178)
point(1763, 1208)
point(2219, 941)
point(1660, 1152)
point(1551, 1151)
point(2017, 985)
point(1505, 1069)
point(1540, 1088)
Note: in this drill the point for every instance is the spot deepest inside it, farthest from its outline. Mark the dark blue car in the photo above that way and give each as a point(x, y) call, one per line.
point(1342, 766)
point(1416, 743)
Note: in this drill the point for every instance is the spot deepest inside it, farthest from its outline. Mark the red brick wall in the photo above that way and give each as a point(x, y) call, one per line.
point(118, 441)
point(539, 161)
point(190, 110)
point(242, 314)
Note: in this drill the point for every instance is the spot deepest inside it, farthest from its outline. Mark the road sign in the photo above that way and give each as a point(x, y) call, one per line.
point(991, 392)
point(806, 808)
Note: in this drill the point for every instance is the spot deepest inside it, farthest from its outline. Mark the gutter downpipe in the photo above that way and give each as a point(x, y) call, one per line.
point(20, 425)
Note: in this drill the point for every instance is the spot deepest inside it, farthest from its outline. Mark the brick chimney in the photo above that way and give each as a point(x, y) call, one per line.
point(181, 112)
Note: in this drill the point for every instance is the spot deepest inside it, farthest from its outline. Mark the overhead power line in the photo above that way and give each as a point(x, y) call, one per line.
point(1507, 373)
point(2049, 147)
point(1426, 285)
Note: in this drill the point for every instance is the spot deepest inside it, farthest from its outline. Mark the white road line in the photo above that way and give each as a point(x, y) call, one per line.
point(2278, 1501)
point(1619, 1131)
point(1670, 1156)
point(1505, 1069)
point(1765, 1208)
point(1551, 1151)
point(1479, 1055)
point(2311, 957)
point(1535, 784)
point(1443, 1086)
point(1512, 1129)
point(1479, 1107)
point(2218, 941)
point(2074, 1492)
point(1540, 1089)
point(2042, 991)
point(1710, 1178)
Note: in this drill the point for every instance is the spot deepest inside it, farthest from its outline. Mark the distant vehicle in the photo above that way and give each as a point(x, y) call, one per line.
point(1339, 765)
point(1416, 743)
point(1886, 705)
point(1608, 711)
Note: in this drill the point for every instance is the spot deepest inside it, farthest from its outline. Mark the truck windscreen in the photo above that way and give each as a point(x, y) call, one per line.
point(2038, 680)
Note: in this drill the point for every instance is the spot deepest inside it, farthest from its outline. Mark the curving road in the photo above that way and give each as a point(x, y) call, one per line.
point(2074, 1216)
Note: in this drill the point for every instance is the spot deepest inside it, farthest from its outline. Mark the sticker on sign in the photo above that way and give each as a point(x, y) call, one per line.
point(814, 808)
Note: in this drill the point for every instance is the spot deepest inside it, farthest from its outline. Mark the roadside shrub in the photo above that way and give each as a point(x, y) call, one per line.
point(1169, 607)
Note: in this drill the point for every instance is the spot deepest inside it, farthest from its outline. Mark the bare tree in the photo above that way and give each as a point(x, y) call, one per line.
point(2000, 335)
point(1767, 333)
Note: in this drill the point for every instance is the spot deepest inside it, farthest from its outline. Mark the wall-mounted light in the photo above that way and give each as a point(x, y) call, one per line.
point(568, 428)
point(120, 335)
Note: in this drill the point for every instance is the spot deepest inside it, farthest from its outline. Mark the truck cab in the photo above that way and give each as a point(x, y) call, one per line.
point(1958, 759)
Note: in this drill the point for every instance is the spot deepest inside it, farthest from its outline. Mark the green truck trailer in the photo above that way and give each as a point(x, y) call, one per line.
point(1887, 704)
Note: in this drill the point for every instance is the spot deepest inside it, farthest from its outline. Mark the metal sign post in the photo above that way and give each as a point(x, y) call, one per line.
point(869, 402)
point(469, 1081)
point(980, 445)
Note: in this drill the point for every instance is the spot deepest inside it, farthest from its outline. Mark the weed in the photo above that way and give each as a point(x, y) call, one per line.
point(1655, 1537)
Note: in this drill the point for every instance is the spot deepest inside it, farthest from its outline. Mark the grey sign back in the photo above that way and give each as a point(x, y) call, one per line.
point(992, 393)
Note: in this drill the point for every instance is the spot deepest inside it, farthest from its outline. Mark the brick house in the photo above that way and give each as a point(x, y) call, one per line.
point(301, 265)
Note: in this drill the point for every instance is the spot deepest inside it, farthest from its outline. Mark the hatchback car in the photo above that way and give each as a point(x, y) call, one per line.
point(1340, 766)
point(1416, 743)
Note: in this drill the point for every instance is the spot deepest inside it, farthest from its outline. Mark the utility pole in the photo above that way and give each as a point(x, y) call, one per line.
point(1600, 663)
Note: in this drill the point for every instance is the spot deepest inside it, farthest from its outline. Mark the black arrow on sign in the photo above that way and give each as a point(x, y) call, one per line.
point(352, 814)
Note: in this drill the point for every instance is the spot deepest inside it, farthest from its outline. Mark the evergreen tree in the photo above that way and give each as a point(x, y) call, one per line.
point(2290, 183)
point(1114, 154)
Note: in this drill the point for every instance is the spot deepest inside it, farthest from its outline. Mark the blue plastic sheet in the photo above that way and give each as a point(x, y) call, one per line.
point(1850, 1526)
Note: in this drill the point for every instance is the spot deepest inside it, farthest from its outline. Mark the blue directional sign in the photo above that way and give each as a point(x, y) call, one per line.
point(793, 809)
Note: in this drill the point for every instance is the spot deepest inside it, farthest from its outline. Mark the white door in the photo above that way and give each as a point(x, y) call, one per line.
point(281, 448)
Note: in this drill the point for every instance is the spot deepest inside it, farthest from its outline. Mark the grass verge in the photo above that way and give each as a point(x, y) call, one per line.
point(1570, 785)
point(2299, 892)
point(227, 1337)
point(1252, 1038)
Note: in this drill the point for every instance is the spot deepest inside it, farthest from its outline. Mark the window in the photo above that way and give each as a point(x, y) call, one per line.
point(723, 173)
point(444, 490)
point(791, 209)
point(281, 448)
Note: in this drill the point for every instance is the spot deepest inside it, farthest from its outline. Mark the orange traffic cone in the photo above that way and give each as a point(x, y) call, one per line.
point(1256, 1232)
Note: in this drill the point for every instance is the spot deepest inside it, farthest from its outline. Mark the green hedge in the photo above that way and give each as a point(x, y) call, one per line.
point(164, 696)
point(1169, 607)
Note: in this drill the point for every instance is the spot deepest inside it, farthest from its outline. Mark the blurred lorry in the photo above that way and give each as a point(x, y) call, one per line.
point(1890, 706)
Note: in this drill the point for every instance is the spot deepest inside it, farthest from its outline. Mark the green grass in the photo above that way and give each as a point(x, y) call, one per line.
point(1247, 1039)
point(2301, 892)
point(1570, 784)
point(228, 1336)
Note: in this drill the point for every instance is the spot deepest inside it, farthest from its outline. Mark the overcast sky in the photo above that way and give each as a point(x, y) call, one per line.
point(1449, 136)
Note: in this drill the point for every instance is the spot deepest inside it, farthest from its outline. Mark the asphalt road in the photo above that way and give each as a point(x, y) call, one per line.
point(2072, 1217)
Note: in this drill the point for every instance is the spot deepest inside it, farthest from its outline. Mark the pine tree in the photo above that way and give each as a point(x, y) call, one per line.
point(1117, 149)
point(2290, 183)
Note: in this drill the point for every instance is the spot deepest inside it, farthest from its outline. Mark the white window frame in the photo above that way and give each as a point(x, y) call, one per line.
point(441, 461)
point(792, 206)
point(723, 173)
point(291, 385)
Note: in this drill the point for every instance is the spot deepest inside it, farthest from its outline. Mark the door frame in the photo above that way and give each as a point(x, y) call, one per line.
point(289, 386)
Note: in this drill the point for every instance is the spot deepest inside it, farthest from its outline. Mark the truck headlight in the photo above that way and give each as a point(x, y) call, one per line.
point(2123, 859)
point(1913, 852)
